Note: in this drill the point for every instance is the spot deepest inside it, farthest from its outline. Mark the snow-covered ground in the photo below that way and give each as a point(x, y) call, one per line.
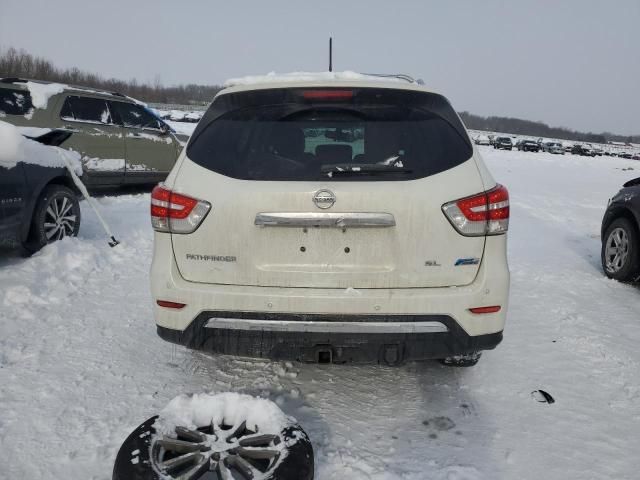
point(182, 127)
point(81, 365)
point(612, 148)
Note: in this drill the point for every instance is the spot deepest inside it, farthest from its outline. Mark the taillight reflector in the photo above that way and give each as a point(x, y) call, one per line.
point(492, 309)
point(167, 304)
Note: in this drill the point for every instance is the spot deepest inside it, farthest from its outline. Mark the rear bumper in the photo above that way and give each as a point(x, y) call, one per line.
point(230, 333)
point(417, 323)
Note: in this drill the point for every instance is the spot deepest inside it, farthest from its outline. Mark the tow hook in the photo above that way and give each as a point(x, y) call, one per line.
point(392, 355)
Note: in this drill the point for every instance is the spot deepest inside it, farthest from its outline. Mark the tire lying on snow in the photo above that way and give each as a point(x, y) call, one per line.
point(226, 436)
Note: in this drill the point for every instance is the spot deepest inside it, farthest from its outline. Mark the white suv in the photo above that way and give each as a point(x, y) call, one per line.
point(331, 221)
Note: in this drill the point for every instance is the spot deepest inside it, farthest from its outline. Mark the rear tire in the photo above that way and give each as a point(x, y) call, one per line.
point(466, 360)
point(56, 215)
point(620, 254)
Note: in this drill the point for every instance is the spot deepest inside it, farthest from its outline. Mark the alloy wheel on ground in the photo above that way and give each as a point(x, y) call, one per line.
point(229, 451)
point(215, 452)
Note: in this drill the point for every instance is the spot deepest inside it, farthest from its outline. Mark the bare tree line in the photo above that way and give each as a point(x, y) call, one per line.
point(539, 129)
point(21, 64)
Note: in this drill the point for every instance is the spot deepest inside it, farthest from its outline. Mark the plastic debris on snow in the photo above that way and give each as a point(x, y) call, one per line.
point(542, 396)
point(199, 410)
point(15, 148)
point(273, 77)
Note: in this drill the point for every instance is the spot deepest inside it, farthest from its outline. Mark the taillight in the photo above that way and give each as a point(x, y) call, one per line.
point(484, 214)
point(176, 213)
point(328, 95)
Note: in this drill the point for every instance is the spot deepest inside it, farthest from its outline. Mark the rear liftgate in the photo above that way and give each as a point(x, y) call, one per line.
point(340, 351)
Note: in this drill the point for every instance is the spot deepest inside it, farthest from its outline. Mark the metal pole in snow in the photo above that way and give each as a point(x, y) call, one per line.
point(78, 183)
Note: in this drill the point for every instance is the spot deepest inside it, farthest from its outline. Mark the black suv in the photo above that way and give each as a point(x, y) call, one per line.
point(621, 234)
point(578, 149)
point(503, 143)
point(38, 204)
point(528, 146)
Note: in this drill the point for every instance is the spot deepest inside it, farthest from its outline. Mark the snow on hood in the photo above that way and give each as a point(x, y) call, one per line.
point(15, 148)
point(42, 92)
point(274, 77)
point(199, 410)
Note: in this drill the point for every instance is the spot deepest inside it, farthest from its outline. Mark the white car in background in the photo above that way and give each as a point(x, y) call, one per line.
point(553, 147)
point(482, 140)
point(339, 218)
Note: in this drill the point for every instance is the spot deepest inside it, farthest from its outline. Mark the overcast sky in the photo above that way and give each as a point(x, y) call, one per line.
point(568, 63)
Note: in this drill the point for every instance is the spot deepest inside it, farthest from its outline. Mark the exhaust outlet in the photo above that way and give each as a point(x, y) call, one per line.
point(324, 354)
point(392, 355)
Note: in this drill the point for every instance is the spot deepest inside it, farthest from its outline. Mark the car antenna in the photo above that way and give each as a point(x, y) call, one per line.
point(331, 54)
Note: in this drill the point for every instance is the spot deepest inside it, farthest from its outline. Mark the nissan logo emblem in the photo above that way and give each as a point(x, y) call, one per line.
point(324, 199)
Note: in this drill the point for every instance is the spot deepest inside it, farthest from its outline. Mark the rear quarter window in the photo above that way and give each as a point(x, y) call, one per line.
point(15, 102)
point(375, 134)
point(86, 109)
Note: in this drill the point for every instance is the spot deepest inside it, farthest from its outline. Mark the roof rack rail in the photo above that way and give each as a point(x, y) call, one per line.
point(117, 94)
point(401, 76)
point(12, 80)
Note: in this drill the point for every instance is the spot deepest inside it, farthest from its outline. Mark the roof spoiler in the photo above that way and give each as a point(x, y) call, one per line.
point(400, 76)
point(632, 183)
point(78, 87)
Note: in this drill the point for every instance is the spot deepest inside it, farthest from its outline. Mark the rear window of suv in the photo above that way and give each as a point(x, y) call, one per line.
point(15, 102)
point(361, 134)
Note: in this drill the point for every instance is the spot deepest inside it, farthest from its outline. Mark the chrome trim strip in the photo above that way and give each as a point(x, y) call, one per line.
point(325, 219)
point(325, 327)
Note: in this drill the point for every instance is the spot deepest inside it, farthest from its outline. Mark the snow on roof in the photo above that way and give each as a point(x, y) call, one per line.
point(199, 410)
point(274, 77)
point(15, 148)
point(42, 92)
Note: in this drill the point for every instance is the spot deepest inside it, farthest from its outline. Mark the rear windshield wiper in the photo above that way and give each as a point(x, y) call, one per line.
point(361, 169)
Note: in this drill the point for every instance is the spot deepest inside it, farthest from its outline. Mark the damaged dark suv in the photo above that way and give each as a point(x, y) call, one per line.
point(621, 234)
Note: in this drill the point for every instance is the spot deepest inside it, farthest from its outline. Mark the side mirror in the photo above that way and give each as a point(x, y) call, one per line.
point(164, 128)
